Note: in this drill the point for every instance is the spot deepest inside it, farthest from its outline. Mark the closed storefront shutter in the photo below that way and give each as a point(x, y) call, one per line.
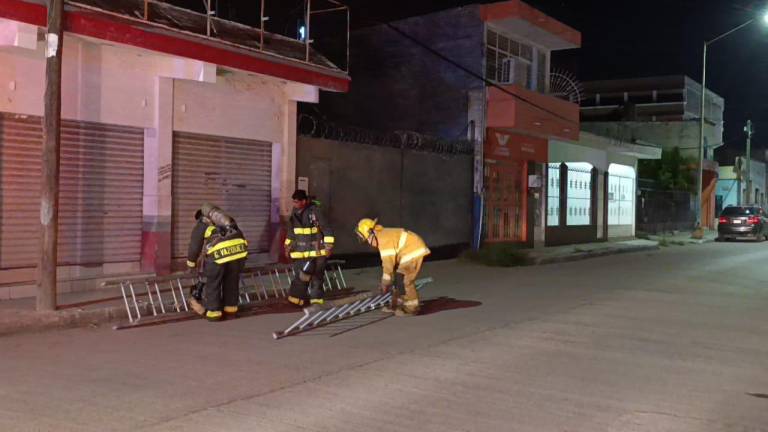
point(233, 174)
point(100, 202)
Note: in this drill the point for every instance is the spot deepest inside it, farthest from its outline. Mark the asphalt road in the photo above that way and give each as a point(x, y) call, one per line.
point(675, 340)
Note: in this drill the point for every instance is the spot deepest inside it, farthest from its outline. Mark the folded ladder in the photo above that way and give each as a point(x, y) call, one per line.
point(334, 311)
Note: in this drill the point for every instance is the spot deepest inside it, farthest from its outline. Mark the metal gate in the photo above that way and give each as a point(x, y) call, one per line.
point(100, 202)
point(505, 201)
point(231, 173)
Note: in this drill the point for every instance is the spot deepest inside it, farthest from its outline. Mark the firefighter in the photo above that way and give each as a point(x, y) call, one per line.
point(202, 230)
point(402, 252)
point(225, 250)
point(309, 243)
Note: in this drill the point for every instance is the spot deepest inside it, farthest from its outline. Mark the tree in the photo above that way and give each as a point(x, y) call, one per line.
point(671, 172)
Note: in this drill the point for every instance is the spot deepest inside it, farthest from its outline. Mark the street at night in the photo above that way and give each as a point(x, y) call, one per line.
point(402, 215)
point(673, 340)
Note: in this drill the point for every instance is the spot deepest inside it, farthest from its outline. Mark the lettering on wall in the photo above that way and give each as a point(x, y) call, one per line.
point(164, 173)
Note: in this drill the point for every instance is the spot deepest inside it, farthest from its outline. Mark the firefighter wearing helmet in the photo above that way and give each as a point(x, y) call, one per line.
point(309, 244)
point(401, 252)
point(218, 244)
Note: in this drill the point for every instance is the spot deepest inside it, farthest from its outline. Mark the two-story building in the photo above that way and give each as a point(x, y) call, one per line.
point(665, 110)
point(163, 109)
point(483, 72)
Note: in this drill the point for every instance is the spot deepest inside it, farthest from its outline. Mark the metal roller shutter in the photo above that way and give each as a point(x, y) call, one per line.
point(233, 174)
point(100, 202)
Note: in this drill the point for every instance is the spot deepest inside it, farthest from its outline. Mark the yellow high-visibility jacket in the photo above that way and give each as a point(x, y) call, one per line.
point(397, 247)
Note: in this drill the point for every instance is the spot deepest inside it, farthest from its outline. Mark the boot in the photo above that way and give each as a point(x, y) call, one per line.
point(196, 306)
point(230, 312)
point(410, 308)
point(213, 316)
point(389, 309)
point(401, 312)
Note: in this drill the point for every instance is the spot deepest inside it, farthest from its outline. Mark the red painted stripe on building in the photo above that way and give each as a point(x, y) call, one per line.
point(22, 11)
point(516, 9)
point(102, 27)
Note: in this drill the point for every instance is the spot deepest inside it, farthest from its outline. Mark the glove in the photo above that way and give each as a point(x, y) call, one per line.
point(197, 291)
point(328, 251)
point(385, 287)
point(287, 250)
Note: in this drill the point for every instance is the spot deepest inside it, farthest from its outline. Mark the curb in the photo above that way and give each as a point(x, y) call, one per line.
point(578, 256)
point(31, 322)
point(691, 241)
point(13, 322)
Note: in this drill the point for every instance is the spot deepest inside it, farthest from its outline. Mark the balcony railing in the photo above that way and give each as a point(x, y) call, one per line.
point(159, 13)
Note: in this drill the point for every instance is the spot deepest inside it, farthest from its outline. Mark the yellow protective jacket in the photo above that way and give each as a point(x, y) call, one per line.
point(397, 247)
point(221, 249)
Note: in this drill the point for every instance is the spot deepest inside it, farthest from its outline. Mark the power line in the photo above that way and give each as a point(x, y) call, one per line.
point(472, 73)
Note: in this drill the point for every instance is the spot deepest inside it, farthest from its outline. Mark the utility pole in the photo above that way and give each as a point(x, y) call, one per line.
point(700, 168)
point(749, 130)
point(49, 202)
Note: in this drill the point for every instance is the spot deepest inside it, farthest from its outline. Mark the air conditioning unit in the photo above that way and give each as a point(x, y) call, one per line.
point(507, 71)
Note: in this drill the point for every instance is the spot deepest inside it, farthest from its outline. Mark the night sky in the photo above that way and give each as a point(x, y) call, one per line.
point(621, 39)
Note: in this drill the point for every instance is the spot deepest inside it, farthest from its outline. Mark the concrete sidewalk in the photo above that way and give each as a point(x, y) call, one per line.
point(560, 254)
point(79, 309)
point(681, 238)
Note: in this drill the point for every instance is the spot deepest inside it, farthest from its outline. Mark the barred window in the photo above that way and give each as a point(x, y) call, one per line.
point(509, 61)
point(579, 194)
point(553, 194)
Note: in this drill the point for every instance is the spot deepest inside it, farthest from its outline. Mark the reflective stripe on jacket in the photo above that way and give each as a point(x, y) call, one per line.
point(308, 233)
point(228, 250)
point(398, 247)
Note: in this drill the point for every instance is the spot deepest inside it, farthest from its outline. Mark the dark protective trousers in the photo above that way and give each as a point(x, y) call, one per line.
point(222, 285)
point(308, 283)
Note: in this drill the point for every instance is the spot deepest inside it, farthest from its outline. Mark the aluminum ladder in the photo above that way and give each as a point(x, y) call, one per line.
point(319, 316)
point(157, 297)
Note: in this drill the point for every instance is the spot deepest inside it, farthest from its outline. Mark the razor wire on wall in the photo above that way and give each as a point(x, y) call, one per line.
point(312, 127)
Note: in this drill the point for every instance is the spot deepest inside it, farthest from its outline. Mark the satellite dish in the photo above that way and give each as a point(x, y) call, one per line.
point(565, 86)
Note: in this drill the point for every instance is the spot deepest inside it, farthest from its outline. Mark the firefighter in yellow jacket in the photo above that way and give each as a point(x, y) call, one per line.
point(402, 252)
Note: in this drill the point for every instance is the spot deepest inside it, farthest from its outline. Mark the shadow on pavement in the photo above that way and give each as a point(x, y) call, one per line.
point(442, 304)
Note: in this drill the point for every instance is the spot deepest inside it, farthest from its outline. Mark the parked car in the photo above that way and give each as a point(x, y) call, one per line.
point(741, 222)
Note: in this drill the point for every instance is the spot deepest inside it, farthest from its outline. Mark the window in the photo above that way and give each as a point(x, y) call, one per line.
point(541, 72)
point(513, 62)
point(579, 194)
point(553, 194)
point(621, 195)
point(739, 211)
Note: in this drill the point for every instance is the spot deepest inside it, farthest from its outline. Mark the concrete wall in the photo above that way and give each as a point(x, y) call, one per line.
point(425, 192)
point(399, 85)
point(728, 191)
point(735, 195)
point(684, 135)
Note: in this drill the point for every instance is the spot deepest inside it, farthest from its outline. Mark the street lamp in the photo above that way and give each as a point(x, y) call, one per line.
point(700, 179)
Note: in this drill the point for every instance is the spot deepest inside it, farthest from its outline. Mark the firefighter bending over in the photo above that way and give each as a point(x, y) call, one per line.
point(402, 252)
point(309, 243)
point(225, 250)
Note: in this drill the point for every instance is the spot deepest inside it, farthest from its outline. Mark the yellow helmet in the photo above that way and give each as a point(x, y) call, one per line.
point(364, 228)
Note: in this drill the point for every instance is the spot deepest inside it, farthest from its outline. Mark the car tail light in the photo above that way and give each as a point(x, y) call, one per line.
point(753, 220)
point(723, 220)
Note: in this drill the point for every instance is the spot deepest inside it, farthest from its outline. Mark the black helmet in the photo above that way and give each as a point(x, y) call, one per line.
point(300, 194)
